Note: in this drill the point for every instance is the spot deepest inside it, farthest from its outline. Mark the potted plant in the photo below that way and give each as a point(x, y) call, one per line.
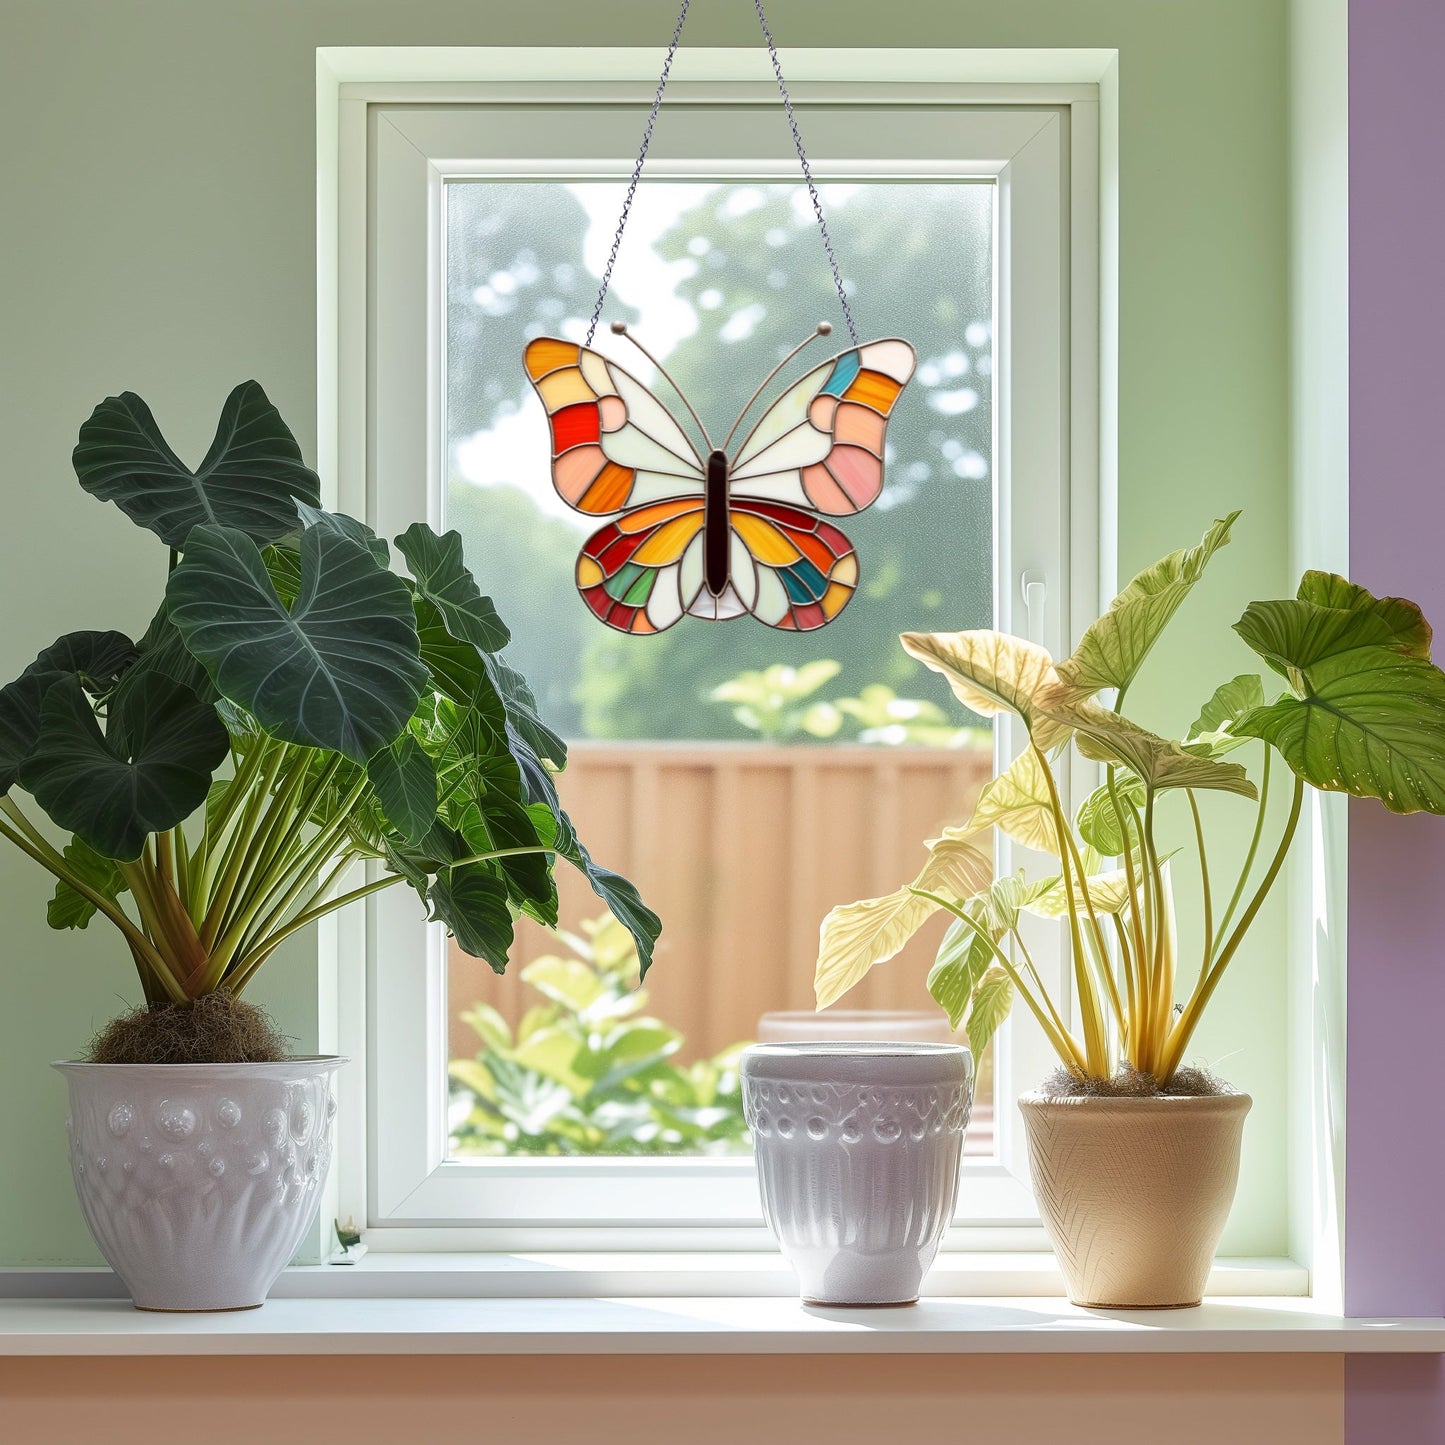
point(1135, 1154)
point(585, 1071)
point(293, 710)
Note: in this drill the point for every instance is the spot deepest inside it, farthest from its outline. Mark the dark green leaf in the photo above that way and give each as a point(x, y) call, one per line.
point(405, 779)
point(456, 667)
point(622, 898)
point(522, 716)
point(340, 670)
point(96, 659)
point(71, 909)
point(442, 577)
point(149, 771)
point(251, 479)
point(495, 820)
point(20, 703)
point(163, 653)
point(344, 526)
point(472, 902)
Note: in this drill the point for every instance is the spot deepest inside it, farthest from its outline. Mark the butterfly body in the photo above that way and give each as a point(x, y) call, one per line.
point(716, 528)
point(706, 534)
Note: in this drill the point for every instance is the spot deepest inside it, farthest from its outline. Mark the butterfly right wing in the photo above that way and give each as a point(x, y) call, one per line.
point(614, 445)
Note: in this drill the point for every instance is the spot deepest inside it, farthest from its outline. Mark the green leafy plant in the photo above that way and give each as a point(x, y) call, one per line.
point(293, 709)
point(587, 1071)
point(1362, 712)
point(883, 718)
point(779, 703)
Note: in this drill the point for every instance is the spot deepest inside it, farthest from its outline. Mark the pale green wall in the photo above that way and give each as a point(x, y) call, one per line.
point(159, 235)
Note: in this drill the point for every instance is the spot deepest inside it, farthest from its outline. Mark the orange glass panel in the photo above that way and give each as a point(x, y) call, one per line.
point(669, 542)
point(874, 389)
point(645, 517)
point(546, 354)
point(610, 491)
point(766, 542)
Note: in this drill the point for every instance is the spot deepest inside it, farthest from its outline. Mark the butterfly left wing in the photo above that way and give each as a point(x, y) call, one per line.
point(614, 444)
point(644, 570)
point(821, 444)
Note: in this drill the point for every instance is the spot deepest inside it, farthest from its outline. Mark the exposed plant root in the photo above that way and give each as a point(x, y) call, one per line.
point(1129, 1083)
point(217, 1028)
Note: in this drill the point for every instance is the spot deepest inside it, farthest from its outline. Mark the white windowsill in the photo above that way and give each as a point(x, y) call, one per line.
point(671, 1326)
point(655, 1274)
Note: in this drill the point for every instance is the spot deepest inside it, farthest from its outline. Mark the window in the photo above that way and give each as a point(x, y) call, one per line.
point(745, 779)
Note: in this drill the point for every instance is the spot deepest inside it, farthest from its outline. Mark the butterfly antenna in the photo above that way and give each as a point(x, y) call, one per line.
point(619, 328)
point(823, 328)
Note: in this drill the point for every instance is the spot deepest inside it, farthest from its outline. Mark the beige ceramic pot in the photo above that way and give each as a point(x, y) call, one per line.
point(1134, 1192)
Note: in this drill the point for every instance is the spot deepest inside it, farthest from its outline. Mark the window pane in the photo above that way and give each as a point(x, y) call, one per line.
point(747, 779)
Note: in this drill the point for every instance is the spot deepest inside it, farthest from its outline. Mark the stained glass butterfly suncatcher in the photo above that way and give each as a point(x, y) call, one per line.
point(718, 536)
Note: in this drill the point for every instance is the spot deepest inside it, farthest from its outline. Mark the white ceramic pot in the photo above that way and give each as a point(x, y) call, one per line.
point(198, 1180)
point(894, 1026)
point(858, 1147)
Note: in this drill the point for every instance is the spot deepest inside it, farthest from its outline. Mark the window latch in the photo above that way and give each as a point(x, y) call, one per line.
point(1034, 593)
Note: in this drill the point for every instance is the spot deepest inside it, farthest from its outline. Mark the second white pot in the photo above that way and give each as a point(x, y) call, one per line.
point(858, 1147)
point(199, 1180)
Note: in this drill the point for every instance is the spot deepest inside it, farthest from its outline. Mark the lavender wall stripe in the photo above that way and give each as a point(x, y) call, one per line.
point(1395, 1152)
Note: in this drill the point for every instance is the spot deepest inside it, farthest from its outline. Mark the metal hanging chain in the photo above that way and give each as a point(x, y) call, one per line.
point(807, 172)
point(637, 169)
point(797, 143)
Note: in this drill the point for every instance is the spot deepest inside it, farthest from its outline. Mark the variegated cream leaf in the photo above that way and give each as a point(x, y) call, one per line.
point(988, 1008)
point(855, 936)
point(991, 673)
point(1114, 647)
point(1107, 737)
point(1017, 802)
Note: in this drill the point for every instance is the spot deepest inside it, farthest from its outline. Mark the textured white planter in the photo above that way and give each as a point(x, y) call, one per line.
point(199, 1180)
point(858, 1148)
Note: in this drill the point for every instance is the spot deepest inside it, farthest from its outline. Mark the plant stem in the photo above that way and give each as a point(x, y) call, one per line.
point(1189, 1019)
point(1126, 1042)
point(258, 791)
point(1095, 1043)
point(1259, 817)
point(285, 881)
point(1062, 1041)
point(1100, 955)
point(1203, 882)
point(1018, 938)
point(331, 905)
point(53, 863)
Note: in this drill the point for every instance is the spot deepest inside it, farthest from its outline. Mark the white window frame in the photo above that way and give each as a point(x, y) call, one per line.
point(398, 145)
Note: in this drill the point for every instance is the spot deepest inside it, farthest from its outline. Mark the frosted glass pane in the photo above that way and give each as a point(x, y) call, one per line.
point(741, 818)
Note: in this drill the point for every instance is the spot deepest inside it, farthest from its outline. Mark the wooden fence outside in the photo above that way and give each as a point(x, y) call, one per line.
point(742, 849)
